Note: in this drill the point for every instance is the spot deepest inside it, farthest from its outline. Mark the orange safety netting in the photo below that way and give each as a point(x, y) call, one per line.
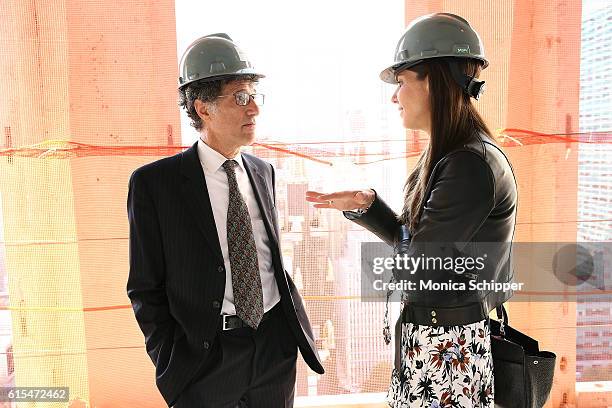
point(322, 149)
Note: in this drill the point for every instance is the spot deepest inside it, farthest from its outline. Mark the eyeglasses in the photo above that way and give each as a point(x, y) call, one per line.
point(243, 98)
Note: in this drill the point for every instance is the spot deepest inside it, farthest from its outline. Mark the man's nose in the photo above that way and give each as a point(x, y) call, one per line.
point(252, 108)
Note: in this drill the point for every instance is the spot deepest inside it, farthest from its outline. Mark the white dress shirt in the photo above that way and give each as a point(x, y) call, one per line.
point(218, 192)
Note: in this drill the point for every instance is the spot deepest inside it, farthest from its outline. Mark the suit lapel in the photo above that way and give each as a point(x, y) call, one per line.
point(195, 197)
point(262, 194)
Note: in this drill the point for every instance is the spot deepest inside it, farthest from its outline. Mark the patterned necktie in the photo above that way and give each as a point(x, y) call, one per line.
point(246, 281)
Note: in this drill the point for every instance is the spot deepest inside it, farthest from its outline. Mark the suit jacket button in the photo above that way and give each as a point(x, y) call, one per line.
point(221, 269)
point(206, 345)
point(216, 304)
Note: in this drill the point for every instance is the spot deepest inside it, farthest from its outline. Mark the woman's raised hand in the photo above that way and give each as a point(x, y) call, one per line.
point(342, 200)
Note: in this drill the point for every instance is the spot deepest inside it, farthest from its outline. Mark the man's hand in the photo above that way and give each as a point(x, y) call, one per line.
point(342, 200)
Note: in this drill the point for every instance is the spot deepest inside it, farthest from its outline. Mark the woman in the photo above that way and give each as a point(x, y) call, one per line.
point(462, 191)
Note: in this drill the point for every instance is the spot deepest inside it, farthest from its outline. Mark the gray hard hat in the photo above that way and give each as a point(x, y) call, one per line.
point(213, 57)
point(435, 36)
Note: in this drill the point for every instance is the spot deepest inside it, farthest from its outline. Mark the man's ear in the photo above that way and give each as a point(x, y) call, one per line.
point(203, 110)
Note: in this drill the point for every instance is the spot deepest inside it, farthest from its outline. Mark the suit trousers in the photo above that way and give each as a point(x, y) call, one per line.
point(247, 368)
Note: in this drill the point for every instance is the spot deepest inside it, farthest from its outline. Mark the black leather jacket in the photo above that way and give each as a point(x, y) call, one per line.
point(471, 201)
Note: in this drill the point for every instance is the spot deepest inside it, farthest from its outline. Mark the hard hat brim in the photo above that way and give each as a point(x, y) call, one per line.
point(242, 72)
point(389, 74)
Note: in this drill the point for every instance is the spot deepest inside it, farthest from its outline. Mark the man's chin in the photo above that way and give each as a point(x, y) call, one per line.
point(249, 138)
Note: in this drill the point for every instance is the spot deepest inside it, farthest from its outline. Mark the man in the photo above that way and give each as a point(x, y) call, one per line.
point(222, 319)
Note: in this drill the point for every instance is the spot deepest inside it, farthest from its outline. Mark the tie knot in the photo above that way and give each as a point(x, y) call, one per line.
point(229, 165)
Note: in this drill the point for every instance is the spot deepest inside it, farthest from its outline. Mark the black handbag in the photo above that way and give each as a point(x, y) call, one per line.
point(523, 374)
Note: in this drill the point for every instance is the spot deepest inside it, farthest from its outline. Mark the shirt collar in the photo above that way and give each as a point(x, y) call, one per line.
point(212, 160)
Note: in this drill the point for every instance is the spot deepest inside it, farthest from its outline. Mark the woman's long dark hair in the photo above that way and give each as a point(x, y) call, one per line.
point(454, 120)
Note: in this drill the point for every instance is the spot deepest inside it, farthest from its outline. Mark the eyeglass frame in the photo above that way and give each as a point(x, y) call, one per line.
point(251, 97)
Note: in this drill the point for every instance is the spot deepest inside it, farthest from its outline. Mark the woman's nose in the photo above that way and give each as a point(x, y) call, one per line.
point(394, 97)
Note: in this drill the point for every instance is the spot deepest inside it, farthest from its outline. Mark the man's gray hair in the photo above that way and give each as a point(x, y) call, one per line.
point(207, 92)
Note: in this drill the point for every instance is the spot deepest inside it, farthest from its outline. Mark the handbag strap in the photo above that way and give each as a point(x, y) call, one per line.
point(502, 316)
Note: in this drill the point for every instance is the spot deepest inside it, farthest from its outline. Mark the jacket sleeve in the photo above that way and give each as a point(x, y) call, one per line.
point(460, 200)
point(146, 281)
point(379, 219)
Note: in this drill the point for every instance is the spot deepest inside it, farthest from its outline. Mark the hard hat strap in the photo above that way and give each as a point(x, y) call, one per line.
point(470, 85)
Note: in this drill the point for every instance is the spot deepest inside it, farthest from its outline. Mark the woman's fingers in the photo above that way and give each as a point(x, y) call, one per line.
point(314, 197)
point(340, 200)
point(340, 195)
point(312, 193)
point(316, 194)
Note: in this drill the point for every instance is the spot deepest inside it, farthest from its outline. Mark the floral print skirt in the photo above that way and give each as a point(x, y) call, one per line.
point(442, 367)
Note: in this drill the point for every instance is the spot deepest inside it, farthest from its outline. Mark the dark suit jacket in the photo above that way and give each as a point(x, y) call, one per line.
point(177, 276)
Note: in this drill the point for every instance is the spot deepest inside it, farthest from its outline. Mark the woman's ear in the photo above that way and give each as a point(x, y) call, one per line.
point(425, 84)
